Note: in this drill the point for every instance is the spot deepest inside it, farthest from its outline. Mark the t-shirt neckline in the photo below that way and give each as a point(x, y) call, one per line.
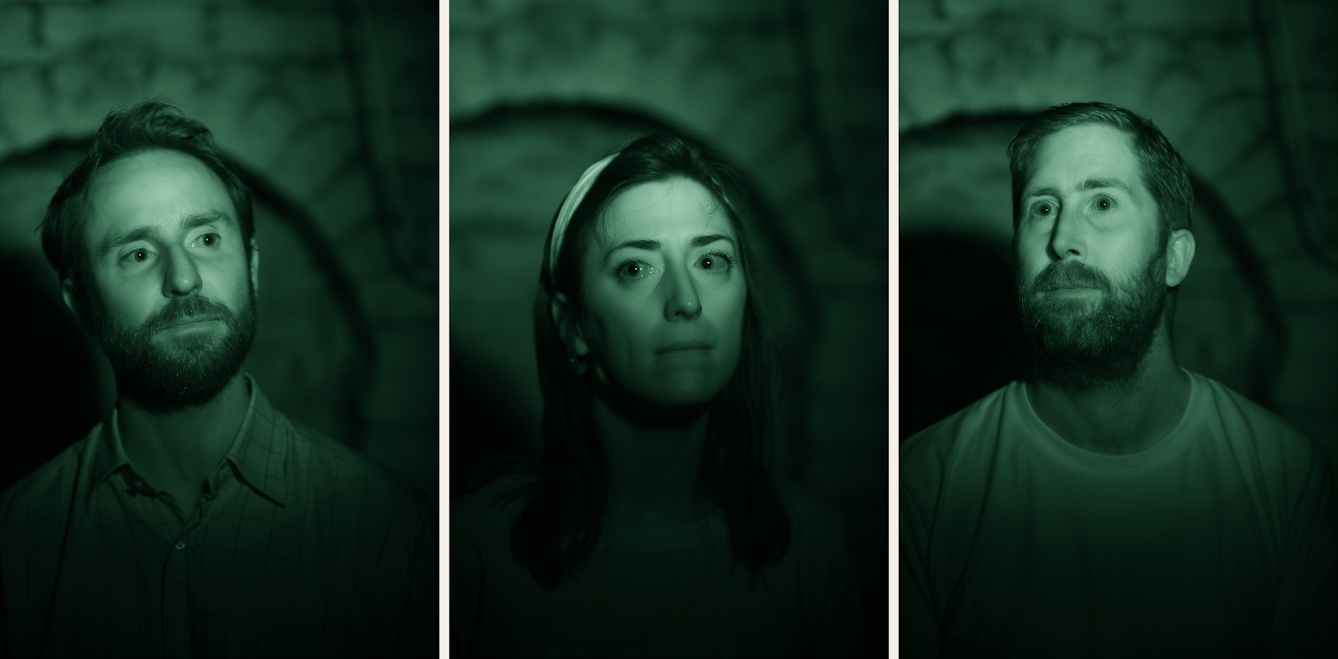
point(1050, 443)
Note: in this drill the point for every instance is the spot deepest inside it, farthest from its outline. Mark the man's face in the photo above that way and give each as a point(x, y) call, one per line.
point(1090, 257)
point(171, 298)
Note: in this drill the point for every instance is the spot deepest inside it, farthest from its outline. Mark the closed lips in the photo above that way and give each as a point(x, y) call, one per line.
point(187, 321)
point(685, 345)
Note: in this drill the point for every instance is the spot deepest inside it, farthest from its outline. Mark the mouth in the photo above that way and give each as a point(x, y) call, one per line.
point(190, 320)
point(1071, 291)
point(684, 345)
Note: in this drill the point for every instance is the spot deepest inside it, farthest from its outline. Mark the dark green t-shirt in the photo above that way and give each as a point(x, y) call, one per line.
point(1218, 541)
point(666, 592)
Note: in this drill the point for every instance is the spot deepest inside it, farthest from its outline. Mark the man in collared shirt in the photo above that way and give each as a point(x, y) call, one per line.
point(196, 520)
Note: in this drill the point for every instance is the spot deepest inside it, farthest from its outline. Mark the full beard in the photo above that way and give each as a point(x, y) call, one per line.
point(183, 371)
point(1083, 344)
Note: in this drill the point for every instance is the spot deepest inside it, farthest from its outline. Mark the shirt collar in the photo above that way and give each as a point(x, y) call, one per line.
point(261, 447)
point(258, 452)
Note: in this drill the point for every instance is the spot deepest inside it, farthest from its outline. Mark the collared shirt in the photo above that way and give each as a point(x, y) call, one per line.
point(298, 547)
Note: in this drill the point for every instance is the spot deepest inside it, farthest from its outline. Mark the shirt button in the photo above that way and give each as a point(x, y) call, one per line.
point(181, 544)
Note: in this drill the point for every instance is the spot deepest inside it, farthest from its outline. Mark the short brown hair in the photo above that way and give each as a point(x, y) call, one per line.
point(1163, 170)
point(150, 125)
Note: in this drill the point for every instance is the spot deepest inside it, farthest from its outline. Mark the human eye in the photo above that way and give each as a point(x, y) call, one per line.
point(632, 270)
point(211, 240)
point(716, 262)
point(136, 256)
point(1043, 209)
point(1103, 203)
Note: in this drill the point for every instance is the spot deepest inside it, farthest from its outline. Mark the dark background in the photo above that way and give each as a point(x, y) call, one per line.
point(1247, 92)
point(797, 93)
point(331, 111)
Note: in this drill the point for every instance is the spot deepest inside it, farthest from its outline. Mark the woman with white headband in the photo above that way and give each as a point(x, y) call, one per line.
point(648, 524)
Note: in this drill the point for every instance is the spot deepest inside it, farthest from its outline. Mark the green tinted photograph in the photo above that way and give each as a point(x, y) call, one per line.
point(668, 338)
point(1118, 315)
point(219, 247)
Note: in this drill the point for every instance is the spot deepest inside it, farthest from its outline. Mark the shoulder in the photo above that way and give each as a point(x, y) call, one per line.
point(34, 514)
point(480, 532)
point(926, 455)
point(978, 419)
point(324, 471)
point(817, 528)
point(1252, 430)
point(1245, 415)
point(485, 515)
point(319, 454)
point(47, 490)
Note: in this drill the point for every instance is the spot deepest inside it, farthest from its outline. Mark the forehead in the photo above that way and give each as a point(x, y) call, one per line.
point(1078, 153)
point(153, 187)
point(664, 209)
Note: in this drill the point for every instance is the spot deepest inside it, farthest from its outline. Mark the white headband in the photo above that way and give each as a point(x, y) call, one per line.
point(568, 209)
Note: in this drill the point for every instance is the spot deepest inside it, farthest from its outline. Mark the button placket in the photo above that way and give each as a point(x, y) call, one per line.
point(176, 602)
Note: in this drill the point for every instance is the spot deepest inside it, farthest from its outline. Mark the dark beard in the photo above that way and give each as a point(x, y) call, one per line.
point(1083, 345)
point(190, 371)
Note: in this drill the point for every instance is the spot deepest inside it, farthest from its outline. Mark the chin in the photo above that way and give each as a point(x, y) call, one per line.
point(683, 391)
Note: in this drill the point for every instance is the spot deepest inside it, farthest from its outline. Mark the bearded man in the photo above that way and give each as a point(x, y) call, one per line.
point(1112, 503)
point(196, 520)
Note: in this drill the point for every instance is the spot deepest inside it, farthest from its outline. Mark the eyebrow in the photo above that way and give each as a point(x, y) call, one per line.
point(652, 245)
point(1090, 184)
point(143, 232)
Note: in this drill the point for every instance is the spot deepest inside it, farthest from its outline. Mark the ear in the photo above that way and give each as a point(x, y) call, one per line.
point(568, 325)
point(1179, 256)
point(67, 292)
point(255, 266)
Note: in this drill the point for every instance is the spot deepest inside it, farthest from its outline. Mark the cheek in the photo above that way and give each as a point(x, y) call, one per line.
point(226, 284)
point(737, 302)
point(617, 327)
point(128, 303)
point(1033, 253)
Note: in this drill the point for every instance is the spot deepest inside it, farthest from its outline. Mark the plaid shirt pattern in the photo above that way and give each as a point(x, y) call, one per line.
point(300, 547)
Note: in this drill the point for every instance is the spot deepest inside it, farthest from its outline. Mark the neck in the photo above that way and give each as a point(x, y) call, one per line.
point(1119, 417)
point(177, 449)
point(653, 459)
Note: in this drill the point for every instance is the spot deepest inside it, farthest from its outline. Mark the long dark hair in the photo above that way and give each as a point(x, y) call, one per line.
point(566, 498)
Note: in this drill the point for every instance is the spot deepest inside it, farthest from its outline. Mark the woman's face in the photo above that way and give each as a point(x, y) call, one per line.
point(664, 294)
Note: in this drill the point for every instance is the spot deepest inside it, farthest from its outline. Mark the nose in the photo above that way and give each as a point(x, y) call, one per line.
point(681, 300)
point(181, 278)
point(1066, 239)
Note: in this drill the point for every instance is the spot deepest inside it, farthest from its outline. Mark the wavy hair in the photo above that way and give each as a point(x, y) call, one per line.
point(559, 525)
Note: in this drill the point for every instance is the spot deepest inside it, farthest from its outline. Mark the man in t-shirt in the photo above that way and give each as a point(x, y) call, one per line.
point(1113, 503)
point(196, 520)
